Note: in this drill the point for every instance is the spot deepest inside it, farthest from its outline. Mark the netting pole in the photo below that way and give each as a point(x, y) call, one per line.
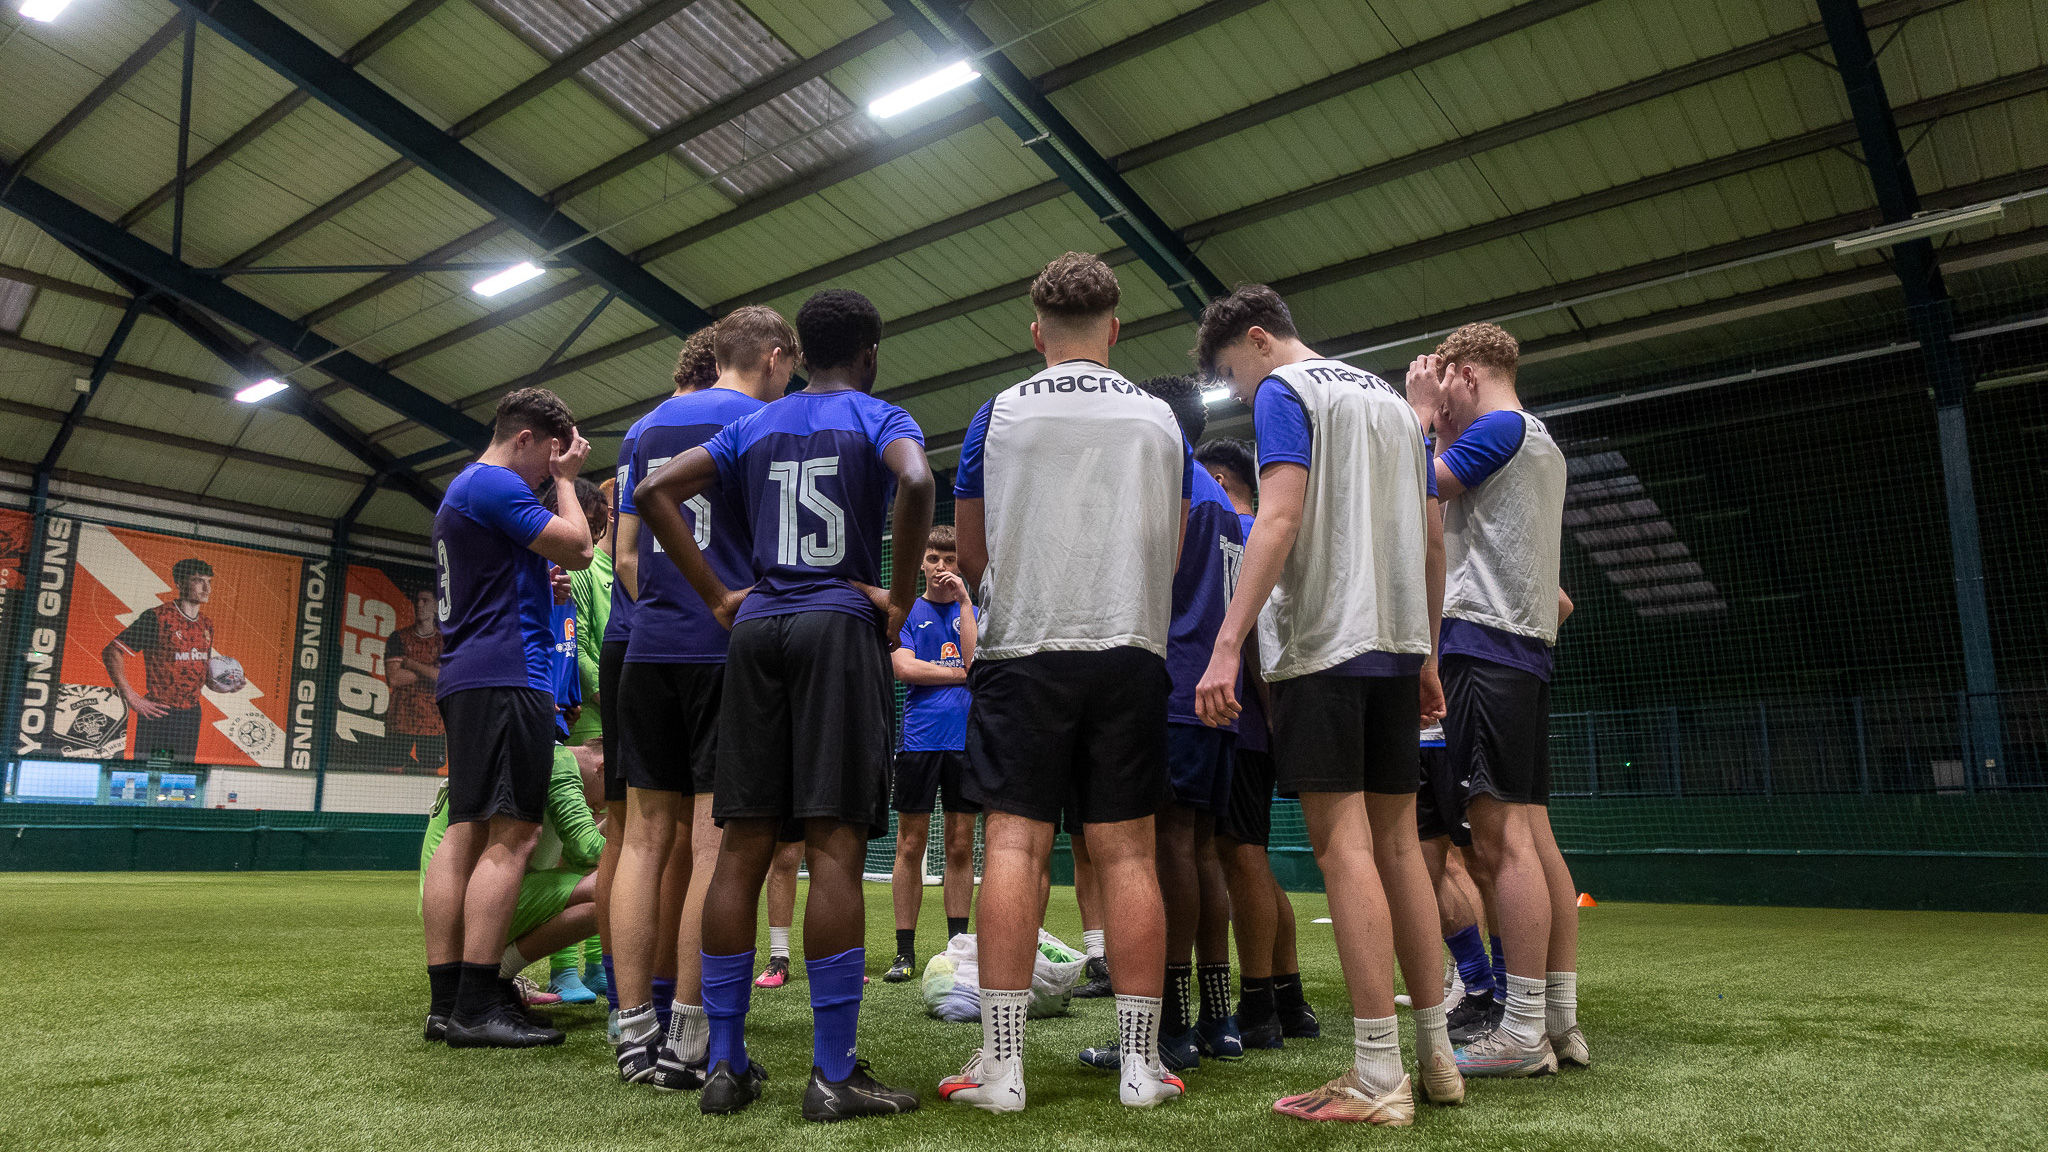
point(1677, 760)
point(1763, 730)
point(1592, 755)
point(1932, 314)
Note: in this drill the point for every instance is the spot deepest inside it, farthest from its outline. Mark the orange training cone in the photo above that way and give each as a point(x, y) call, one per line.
point(1586, 900)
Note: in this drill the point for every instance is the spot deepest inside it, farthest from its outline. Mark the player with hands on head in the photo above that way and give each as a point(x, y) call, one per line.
point(493, 541)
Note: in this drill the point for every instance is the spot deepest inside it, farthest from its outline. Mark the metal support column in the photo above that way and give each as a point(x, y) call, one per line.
point(1932, 317)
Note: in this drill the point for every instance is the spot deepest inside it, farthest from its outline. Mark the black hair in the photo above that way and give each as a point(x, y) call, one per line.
point(1184, 396)
point(1228, 318)
point(1233, 456)
point(187, 568)
point(835, 326)
point(589, 497)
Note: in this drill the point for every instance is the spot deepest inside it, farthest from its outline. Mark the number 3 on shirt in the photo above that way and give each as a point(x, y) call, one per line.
point(799, 482)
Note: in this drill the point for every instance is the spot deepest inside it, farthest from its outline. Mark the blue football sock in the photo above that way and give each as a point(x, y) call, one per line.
point(611, 985)
point(728, 989)
point(1470, 953)
point(664, 999)
point(1500, 968)
point(835, 1010)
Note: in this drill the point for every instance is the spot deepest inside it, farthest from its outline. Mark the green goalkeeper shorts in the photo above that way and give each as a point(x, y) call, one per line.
point(543, 895)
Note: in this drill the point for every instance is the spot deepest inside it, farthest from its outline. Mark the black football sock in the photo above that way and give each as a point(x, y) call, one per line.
point(1178, 977)
point(478, 992)
point(1215, 984)
point(1287, 991)
point(906, 941)
point(955, 925)
point(442, 981)
point(1255, 1004)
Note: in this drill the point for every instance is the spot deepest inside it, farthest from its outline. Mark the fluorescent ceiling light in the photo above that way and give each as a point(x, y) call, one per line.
point(44, 10)
point(918, 91)
point(1216, 395)
point(1925, 224)
point(511, 277)
point(261, 390)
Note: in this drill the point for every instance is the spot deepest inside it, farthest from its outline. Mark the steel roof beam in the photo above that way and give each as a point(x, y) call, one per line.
point(397, 126)
point(110, 247)
point(856, 163)
point(1621, 278)
point(101, 364)
point(200, 500)
point(1060, 146)
point(172, 440)
point(384, 34)
point(101, 93)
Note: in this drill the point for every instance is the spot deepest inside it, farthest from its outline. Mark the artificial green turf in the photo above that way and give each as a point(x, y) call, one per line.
point(282, 1011)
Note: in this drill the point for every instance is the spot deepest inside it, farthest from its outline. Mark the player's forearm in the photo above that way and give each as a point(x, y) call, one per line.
point(569, 510)
point(970, 633)
point(970, 528)
point(911, 520)
point(117, 669)
point(924, 673)
point(626, 562)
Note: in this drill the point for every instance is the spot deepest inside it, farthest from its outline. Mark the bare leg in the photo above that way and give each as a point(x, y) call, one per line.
point(1212, 933)
point(650, 835)
point(1411, 901)
point(782, 885)
point(1014, 850)
point(906, 880)
point(1342, 839)
point(1180, 882)
point(491, 897)
point(1126, 864)
point(732, 906)
point(704, 841)
point(1086, 892)
point(1564, 901)
point(608, 868)
point(1253, 914)
point(675, 891)
point(1506, 844)
point(1285, 962)
point(835, 914)
point(959, 847)
point(447, 880)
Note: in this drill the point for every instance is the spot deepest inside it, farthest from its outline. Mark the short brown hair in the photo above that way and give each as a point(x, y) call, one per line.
point(697, 366)
point(1487, 345)
point(743, 337)
point(1077, 286)
point(535, 409)
point(942, 539)
point(1228, 318)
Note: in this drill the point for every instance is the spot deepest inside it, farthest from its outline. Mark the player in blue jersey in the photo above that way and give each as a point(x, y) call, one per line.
point(492, 544)
point(933, 653)
point(804, 728)
point(696, 368)
point(1271, 1002)
point(1338, 571)
point(1503, 482)
point(669, 698)
point(1198, 764)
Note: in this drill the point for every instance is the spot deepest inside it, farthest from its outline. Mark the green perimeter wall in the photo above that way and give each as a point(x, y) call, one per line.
point(1978, 853)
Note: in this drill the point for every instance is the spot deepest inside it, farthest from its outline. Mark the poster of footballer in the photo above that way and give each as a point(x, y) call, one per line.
point(150, 645)
point(17, 533)
point(384, 714)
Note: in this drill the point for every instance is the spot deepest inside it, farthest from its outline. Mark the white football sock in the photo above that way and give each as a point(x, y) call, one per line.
point(638, 1025)
point(1002, 1029)
point(689, 1032)
point(512, 964)
point(778, 942)
point(1432, 1034)
point(1523, 1021)
point(1376, 1052)
point(1137, 1028)
point(1560, 1002)
point(1091, 939)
